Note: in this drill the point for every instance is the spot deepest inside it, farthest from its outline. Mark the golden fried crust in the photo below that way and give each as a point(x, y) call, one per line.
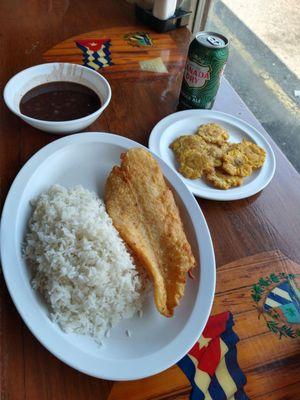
point(144, 212)
point(221, 180)
point(193, 163)
point(195, 156)
point(213, 133)
point(186, 142)
point(200, 154)
point(216, 153)
point(235, 162)
point(255, 154)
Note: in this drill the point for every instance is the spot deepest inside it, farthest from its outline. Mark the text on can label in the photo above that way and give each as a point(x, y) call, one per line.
point(196, 75)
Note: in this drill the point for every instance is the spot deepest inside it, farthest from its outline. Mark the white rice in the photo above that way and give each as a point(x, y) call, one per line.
point(80, 264)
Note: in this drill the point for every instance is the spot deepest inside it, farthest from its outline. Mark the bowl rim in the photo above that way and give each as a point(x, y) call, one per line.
point(56, 123)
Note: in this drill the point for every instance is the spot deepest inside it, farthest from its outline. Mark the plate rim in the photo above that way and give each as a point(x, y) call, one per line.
point(7, 232)
point(214, 194)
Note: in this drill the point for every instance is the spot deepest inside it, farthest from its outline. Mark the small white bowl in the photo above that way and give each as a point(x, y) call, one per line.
point(27, 79)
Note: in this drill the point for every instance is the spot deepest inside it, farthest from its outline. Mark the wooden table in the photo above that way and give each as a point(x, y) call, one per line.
point(265, 228)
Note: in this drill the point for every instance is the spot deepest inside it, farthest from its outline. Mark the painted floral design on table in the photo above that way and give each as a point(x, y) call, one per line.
point(277, 299)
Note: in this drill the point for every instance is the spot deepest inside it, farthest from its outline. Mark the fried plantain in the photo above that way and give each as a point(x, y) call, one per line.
point(255, 154)
point(199, 154)
point(193, 163)
point(216, 153)
point(213, 133)
point(186, 142)
point(221, 180)
point(235, 162)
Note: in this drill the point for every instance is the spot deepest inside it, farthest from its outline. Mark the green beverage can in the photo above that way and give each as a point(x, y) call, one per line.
point(206, 61)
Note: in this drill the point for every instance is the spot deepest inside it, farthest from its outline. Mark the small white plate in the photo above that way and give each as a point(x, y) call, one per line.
point(156, 342)
point(186, 123)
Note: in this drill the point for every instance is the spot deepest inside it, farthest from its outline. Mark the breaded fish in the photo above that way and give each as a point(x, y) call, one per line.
point(144, 212)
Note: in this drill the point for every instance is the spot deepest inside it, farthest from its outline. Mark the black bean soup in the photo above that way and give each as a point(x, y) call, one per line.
point(59, 101)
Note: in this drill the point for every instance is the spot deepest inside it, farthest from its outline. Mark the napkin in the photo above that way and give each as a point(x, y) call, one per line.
point(211, 365)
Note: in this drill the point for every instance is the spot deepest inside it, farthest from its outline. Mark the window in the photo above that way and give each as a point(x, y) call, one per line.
point(264, 63)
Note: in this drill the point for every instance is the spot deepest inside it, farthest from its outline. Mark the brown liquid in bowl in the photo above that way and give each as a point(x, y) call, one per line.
point(59, 101)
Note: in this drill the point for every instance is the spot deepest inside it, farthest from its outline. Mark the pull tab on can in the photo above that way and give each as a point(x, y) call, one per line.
point(215, 41)
point(212, 40)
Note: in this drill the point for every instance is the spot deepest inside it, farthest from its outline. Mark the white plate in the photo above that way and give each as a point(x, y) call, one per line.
point(186, 123)
point(156, 342)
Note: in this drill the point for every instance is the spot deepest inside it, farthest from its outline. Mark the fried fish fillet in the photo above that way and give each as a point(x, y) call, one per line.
point(144, 212)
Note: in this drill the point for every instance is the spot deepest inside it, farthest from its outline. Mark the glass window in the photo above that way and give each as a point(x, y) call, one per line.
point(264, 63)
